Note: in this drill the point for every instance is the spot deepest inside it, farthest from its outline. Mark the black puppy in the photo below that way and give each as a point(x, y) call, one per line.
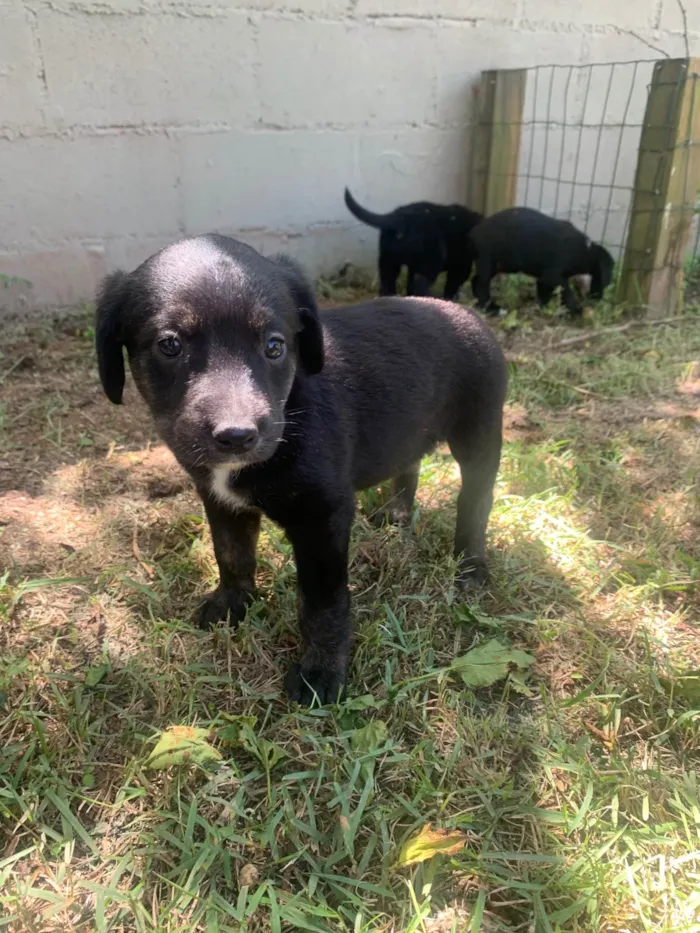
point(426, 238)
point(271, 409)
point(520, 239)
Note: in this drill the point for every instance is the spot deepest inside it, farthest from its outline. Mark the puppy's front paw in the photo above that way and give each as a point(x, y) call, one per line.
point(314, 686)
point(224, 606)
point(472, 575)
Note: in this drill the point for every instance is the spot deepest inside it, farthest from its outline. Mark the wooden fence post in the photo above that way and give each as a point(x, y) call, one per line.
point(496, 141)
point(663, 204)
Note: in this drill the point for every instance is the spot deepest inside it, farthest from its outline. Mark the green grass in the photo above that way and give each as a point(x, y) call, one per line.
point(580, 801)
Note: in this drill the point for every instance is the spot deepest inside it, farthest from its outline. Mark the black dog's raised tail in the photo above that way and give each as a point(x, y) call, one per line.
point(382, 221)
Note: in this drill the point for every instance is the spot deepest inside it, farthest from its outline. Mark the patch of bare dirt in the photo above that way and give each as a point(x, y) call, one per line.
point(518, 424)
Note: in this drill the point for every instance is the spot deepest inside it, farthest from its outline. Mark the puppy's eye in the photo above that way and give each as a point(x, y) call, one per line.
point(274, 348)
point(170, 346)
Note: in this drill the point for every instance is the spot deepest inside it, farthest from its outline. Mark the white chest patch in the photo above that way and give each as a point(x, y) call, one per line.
point(221, 490)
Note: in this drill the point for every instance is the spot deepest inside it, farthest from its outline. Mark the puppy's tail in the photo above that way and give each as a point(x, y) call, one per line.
point(382, 221)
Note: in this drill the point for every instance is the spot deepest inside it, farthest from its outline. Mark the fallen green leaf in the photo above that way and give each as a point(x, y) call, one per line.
point(95, 674)
point(360, 704)
point(231, 733)
point(686, 686)
point(240, 730)
point(489, 662)
point(182, 745)
point(368, 739)
point(267, 753)
point(517, 681)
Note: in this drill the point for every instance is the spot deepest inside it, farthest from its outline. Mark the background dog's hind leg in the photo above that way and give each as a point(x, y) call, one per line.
point(389, 269)
point(421, 286)
point(481, 287)
point(454, 281)
point(544, 293)
point(478, 465)
point(423, 275)
point(551, 279)
point(568, 299)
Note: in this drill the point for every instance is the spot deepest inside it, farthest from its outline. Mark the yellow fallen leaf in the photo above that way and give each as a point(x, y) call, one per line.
point(182, 745)
point(430, 842)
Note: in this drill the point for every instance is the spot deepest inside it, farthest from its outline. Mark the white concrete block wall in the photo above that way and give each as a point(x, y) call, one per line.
point(125, 124)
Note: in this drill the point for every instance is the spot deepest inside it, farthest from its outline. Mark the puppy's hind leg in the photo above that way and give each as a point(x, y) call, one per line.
point(478, 468)
point(400, 508)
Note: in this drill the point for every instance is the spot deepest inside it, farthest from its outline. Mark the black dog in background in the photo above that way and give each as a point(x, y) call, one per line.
point(520, 239)
point(426, 238)
point(274, 409)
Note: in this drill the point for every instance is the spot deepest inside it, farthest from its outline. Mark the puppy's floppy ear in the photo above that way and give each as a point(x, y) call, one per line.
point(108, 334)
point(310, 334)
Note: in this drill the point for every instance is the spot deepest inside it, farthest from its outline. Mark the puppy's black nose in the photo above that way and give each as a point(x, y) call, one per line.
point(236, 440)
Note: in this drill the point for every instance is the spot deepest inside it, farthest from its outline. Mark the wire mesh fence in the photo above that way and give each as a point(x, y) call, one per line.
point(579, 142)
point(613, 148)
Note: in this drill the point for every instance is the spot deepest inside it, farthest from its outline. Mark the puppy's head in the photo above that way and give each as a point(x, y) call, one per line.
point(601, 269)
point(215, 335)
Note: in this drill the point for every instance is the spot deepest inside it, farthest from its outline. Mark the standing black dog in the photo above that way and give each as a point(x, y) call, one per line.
point(426, 238)
point(271, 409)
point(520, 239)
